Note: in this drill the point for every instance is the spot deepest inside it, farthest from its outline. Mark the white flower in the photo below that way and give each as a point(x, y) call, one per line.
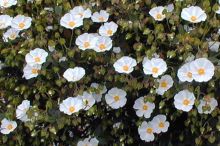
point(88, 100)
point(165, 83)
point(116, 98)
point(101, 90)
point(146, 131)
point(184, 73)
point(116, 49)
point(71, 105)
point(1, 65)
point(7, 126)
point(81, 12)
point(214, 46)
point(160, 124)
point(74, 74)
point(21, 22)
point(88, 142)
point(193, 14)
point(51, 48)
point(7, 3)
point(125, 64)
point(5, 21)
point(36, 56)
point(170, 7)
point(10, 34)
point(143, 108)
point(21, 111)
point(70, 21)
point(218, 11)
point(208, 103)
point(101, 16)
point(31, 71)
point(103, 44)
point(154, 67)
point(62, 59)
point(202, 70)
point(86, 41)
point(108, 29)
point(184, 100)
point(157, 13)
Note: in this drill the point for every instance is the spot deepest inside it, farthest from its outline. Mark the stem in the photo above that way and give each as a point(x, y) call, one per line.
point(71, 39)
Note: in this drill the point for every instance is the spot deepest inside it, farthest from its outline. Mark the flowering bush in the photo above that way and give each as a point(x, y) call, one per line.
point(109, 72)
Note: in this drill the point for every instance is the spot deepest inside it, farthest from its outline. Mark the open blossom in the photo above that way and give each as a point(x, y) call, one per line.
point(101, 90)
point(108, 29)
point(101, 16)
point(21, 111)
point(207, 105)
point(146, 131)
point(184, 73)
point(74, 74)
point(7, 126)
point(10, 34)
point(160, 124)
point(157, 13)
point(103, 44)
point(193, 14)
point(71, 21)
point(21, 22)
point(7, 3)
point(79, 11)
point(71, 105)
point(125, 64)
point(36, 56)
point(202, 70)
point(143, 108)
point(165, 83)
point(31, 71)
point(88, 100)
point(5, 21)
point(86, 41)
point(184, 100)
point(154, 66)
point(88, 142)
point(116, 98)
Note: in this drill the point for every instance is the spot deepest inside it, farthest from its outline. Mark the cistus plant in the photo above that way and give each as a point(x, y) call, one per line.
point(109, 72)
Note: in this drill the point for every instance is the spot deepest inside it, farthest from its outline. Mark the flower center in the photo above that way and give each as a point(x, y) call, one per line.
point(72, 109)
point(12, 36)
point(159, 16)
point(101, 19)
point(72, 24)
point(9, 127)
point(193, 18)
point(37, 59)
point(34, 71)
point(86, 44)
point(161, 125)
point(186, 102)
point(109, 32)
point(189, 75)
point(116, 98)
point(102, 46)
point(149, 130)
point(21, 25)
point(145, 107)
point(155, 70)
point(201, 71)
point(163, 84)
point(125, 68)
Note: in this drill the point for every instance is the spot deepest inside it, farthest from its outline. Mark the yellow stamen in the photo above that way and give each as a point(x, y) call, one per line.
point(102, 46)
point(163, 84)
point(186, 102)
point(125, 68)
point(193, 18)
point(145, 107)
point(149, 130)
point(116, 98)
point(86, 45)
point(34, 71)
point(161, 125)
point(159, 16)
point(72, 109)
point(201, 71)
point(189, 75)
point(9, 127)
point(21, 25)
point(72, 24)
point(155, 70)
point(101, 19)
point(37, 59)
point(109, 32)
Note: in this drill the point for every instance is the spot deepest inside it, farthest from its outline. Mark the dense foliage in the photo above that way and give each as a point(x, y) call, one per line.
point(173, 40)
